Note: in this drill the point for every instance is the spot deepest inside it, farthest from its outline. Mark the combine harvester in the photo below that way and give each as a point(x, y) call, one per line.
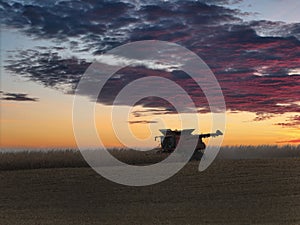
point(170, 138)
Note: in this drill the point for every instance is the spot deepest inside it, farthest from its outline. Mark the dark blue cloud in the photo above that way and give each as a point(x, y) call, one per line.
point(49, 69)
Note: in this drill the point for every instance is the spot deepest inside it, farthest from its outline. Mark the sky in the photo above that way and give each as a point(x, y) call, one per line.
point(252, 48)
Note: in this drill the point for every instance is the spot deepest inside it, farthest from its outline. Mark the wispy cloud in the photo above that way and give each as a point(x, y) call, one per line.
point(292, 141)
point(293, 121)
point(142, 121)
point(16, 97)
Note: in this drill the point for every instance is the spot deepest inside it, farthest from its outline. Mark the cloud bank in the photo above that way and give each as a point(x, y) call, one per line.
point(256, 62)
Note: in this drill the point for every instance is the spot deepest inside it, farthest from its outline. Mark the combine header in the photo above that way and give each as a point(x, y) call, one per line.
point(170, 138)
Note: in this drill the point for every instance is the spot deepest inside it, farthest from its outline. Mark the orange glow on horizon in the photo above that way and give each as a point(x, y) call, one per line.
point(38, 125)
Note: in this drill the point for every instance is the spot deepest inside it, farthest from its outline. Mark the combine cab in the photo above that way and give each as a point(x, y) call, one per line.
point(170, 138)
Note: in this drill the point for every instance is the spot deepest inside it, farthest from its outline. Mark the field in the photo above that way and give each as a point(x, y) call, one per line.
point(48, 189)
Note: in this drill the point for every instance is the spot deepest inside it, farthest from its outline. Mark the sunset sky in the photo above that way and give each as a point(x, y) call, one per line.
point(252, 47)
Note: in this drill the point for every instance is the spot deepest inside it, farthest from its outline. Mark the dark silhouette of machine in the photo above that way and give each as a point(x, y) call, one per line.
point(170, 138)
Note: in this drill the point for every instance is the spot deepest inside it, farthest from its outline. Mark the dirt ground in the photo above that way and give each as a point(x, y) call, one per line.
point(265, 191)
